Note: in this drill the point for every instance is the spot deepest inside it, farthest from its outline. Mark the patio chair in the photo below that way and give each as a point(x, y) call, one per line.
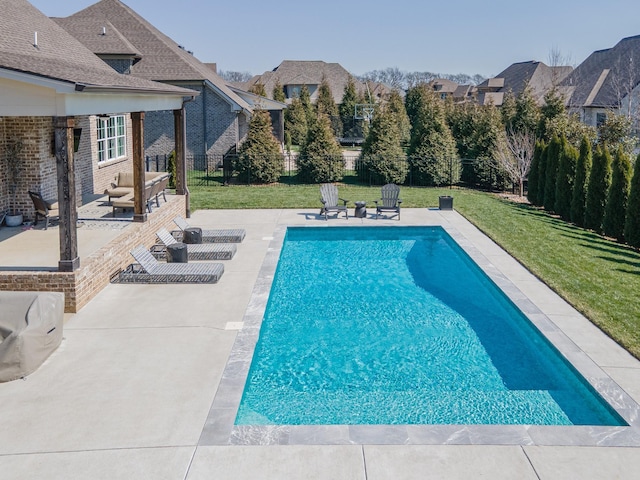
point(389, 201)
point(149, 270)
point(199, 251)
point(210, 236)
point(44, 209)
point(329, 198)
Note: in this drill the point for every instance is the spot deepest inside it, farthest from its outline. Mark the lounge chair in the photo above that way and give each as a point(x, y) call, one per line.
point(200, 251)
point(389, 201)
point(149, 270)
point(210, 236)
point(43, 208)
point(329, 198)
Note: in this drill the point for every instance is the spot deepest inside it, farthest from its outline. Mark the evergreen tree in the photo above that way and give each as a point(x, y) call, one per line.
point(395, 104)
point(618, 197)
point(552, 109)
point(542, 174)
point(382, 153)
point(295, 122)
point(320, 157)
point(534, 174)
point(347, 107)
point(553, 159)
point(305, 99)
point(632, 221)
point(278, 92)
point(566, 176)
point(583, 169)
point(258, 89)
point(508, 109)
point(432, 148)
point(259, 158)
point(527, 113)
point(598, 189)
point(326, 105)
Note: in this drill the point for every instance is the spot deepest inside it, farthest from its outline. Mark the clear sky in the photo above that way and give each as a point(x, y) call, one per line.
point(461, 36)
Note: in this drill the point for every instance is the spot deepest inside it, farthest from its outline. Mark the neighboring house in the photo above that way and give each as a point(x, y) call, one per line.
point(444, 88)
point(608, 80)
point(218, 118)
point(540, 78)
point(52, 91)
point(293, 74)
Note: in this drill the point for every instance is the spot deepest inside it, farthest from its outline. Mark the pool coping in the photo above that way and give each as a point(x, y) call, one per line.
point(219, 428)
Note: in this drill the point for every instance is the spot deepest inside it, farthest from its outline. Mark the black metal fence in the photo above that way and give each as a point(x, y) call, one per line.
point(218, 170)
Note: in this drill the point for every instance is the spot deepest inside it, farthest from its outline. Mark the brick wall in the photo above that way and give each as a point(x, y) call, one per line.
point(96, 270)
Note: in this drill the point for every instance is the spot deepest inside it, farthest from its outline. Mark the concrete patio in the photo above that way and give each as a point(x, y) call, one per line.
point(134, 391)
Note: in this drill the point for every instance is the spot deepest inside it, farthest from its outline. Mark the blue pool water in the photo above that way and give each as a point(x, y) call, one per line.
point(397, 325)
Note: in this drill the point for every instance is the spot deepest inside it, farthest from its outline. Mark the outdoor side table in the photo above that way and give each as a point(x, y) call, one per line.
point(177, 253)
point(361, 210)
point(192, 235)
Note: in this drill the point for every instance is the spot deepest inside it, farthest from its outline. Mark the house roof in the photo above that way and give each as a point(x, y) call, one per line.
point(310, 72)
point(536, 75)
point(606, 76)
point(30, 43)
point(162, 59)
point(443, 85)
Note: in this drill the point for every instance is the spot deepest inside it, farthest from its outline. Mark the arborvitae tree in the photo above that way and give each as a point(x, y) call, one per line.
point(259, 158)
point(598, 189)
point(632, 221)
point(432, 149)
point(326, 105)
point(258, 89)
point(583, 169)
point(320, 157)
point(566, 176)
point(382, 153)
point(553, 159)
point(347, 108)
point(618, 197)
point(542, 174)
point(295, 122)
point(278, 92)
point(534, 174)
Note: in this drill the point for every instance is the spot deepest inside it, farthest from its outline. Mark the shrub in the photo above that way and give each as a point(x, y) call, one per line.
point(598, 189)
point(566, 176)
point(320, 159)
point(617, 199)
point(259, 158)
point(583, 169)
point(632, 221)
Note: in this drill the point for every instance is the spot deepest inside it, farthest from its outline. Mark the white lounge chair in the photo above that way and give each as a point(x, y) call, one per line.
point(211, 236)
point(197, 251)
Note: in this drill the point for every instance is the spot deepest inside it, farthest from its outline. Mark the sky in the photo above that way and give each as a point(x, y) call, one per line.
point(466, 36)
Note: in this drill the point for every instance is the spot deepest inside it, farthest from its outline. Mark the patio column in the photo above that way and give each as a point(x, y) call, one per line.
point(180, 133)
point(139, 196)
point(63, 131)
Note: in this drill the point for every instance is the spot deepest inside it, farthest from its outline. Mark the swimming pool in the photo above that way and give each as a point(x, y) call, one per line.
point(396, 325)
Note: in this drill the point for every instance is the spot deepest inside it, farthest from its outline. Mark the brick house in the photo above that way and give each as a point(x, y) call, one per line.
point(54, 94)
point(218, 117)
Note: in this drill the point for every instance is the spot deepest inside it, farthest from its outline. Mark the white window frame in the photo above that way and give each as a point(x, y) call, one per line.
point(112, 138)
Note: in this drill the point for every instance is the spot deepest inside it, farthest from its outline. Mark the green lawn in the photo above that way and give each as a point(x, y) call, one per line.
point(600, 278)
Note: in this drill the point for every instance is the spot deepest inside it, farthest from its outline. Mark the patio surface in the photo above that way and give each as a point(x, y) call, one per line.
point(134, 390)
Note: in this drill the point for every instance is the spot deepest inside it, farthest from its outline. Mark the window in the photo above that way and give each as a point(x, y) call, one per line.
point(600, 118)
point(112, 138)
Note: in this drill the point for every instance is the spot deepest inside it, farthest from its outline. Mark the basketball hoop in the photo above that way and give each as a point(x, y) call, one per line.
point(364, 111)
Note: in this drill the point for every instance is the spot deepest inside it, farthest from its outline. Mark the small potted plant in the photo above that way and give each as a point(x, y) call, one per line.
point(14, 170)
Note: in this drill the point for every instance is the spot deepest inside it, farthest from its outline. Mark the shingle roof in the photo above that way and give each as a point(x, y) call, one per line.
point(57, 54)
point(162, 59)
point(308, 72)
point(536, 75)
point(606, 76)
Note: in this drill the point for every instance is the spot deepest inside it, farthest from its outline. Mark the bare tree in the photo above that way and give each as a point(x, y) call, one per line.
point(514, 154)
point(230, 76)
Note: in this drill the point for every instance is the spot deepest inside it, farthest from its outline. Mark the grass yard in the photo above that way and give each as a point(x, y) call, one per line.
point(599, 277)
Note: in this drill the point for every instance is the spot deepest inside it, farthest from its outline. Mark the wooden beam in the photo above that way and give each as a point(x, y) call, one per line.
point(139, 197)
point(180, 133)
point(63, 132)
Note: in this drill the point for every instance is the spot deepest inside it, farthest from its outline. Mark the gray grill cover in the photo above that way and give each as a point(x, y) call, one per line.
point(30, 330)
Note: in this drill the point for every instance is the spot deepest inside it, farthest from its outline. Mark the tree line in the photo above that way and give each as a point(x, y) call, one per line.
point(582, 174)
